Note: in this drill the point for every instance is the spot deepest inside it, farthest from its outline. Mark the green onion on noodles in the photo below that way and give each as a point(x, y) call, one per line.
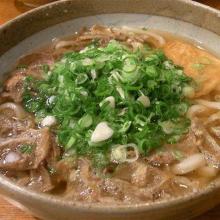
point(112, 103)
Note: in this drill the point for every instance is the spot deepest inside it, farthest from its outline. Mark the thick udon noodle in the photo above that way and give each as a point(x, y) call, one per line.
point(175, 170)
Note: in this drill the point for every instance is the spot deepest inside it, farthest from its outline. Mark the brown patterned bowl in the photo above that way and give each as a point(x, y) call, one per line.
point(39, 26)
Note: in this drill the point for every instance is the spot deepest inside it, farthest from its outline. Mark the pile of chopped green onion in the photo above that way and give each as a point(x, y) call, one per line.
point(102, 97)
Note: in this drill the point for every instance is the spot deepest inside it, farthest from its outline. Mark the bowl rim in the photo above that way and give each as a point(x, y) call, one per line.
point(8, 185)
point(27, 16)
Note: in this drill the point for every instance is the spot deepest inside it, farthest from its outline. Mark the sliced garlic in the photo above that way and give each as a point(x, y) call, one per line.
point(189, 92)
point(121, 92)
point(111, 100)
point(93, 74)
point(102, 132)
point(144, 100)
point(11, 157)
point(48, 121)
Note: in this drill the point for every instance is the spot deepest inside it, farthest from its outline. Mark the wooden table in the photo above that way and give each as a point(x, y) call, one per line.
point(9, 212)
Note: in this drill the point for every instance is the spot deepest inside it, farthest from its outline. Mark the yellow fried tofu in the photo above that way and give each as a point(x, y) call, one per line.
point(203, 67)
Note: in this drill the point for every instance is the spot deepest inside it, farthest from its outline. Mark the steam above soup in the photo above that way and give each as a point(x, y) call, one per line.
point(113, 115)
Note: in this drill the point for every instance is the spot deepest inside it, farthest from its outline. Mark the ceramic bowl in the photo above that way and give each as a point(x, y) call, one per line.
point(38, 27)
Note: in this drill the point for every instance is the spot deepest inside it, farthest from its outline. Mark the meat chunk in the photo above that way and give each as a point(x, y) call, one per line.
point(37, 58)
point(37, 179)
point(208, 145)
point(53, 155)
point(121, 190)
point(203, 67)
point(138, 177)
point(83, 185)
point(14, 87)
point(12, 127)
point(40, 180)
point(26, 151)
point(35, 63)
point(143, 182)
point(64, 167)
point(161, 158)
point(14, 120)
point(123, 171)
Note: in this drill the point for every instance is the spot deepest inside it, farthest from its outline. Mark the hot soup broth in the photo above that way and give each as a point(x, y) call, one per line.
point(113, 115)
